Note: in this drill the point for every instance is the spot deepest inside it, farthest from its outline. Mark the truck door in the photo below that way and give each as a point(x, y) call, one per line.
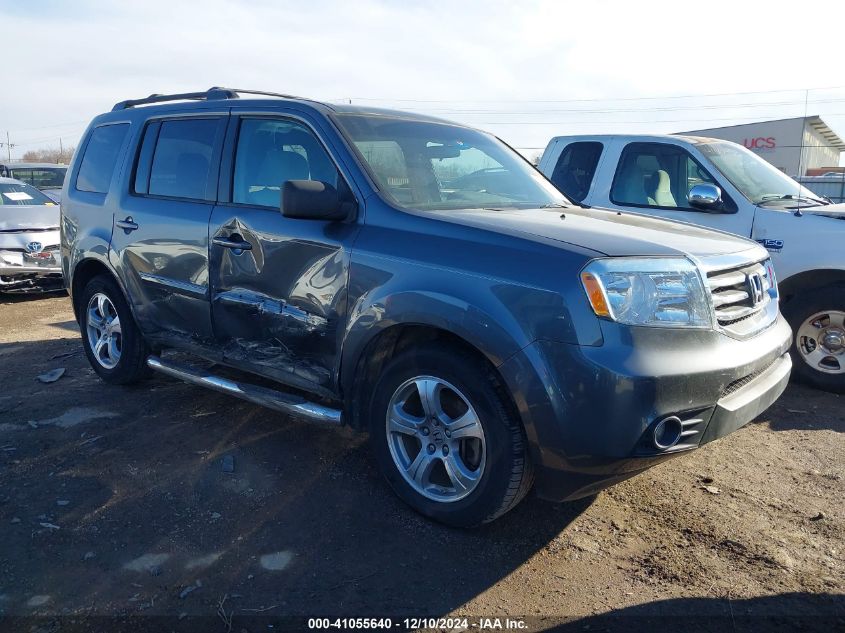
point(278, 284)
point(656, 178)
point(160, 237)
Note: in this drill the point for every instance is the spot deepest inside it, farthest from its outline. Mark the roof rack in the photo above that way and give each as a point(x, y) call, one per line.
point(212, 94)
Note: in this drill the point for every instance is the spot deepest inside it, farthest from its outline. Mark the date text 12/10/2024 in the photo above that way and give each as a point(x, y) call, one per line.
point(413, 624)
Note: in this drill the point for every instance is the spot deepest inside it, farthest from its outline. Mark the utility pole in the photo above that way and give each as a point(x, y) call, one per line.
point(61, 151)
point(8, 146)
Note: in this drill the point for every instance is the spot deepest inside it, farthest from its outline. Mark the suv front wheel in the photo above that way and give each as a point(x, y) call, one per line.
point(112, 341)
point(446, 439)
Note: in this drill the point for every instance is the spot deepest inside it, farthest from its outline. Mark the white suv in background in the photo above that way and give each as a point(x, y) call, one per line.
point(722, 185)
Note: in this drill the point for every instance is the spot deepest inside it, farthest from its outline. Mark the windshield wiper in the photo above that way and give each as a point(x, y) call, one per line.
point(558, 205)
point(789, 196)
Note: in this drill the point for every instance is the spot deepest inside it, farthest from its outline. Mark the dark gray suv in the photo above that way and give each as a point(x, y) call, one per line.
point(416, 279)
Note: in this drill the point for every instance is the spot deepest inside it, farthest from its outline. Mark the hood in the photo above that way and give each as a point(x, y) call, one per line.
point(609, 232)
point(829, 210)
point(22, 217)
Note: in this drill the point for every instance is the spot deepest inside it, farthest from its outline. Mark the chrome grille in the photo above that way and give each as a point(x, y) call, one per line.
point(741, 296)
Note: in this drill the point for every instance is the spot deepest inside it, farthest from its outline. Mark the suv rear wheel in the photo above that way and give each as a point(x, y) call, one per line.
point(112, 342)
point(817, 318)
point(445, 438)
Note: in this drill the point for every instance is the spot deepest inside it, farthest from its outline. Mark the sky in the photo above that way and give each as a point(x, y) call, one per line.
point(525, 71)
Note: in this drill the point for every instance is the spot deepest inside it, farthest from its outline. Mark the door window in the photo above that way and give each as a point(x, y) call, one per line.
point(100, 158)
point(271, 152)
point(657, 175)
point(181, 161)
point(574, 171)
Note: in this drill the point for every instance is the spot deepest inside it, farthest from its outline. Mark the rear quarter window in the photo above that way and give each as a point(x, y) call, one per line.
point(100, 157)
point(573, 174)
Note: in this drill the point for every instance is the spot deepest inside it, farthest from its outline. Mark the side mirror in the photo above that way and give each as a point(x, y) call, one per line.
point(312, 200)
point(706, 197)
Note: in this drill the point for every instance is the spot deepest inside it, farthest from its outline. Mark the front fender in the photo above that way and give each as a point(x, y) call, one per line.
point(495, 316)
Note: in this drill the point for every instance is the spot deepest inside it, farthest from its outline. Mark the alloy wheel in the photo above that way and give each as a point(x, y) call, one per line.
point(436, 439)
point(102, 325)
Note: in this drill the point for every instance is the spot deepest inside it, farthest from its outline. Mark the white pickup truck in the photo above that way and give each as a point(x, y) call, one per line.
point(722, 185)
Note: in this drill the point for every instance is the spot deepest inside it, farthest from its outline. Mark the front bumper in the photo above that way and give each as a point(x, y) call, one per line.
point(18, 272)
point(589, 412)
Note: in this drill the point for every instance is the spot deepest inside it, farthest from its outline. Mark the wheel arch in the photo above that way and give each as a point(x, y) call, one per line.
point(85, 271)
point(357, 382)
point(810, 280)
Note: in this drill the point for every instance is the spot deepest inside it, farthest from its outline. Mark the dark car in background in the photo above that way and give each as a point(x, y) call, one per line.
point(47, 177)
point(417, 279)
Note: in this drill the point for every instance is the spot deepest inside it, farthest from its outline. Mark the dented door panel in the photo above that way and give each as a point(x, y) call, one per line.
point(280, 305)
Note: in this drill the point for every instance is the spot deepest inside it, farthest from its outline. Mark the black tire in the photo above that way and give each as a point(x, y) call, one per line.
point(132, 366)
point(800, 308)
point(507, 473)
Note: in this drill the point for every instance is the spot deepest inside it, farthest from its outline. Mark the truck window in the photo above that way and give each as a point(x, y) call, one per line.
point(41, 177)
point(100, 158)
point(657, 175)
point(271, 152)
point(574, 171)
point(182, 158)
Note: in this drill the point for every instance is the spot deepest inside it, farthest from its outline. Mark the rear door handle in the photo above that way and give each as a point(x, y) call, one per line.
point(128, 225)
point(238, 244)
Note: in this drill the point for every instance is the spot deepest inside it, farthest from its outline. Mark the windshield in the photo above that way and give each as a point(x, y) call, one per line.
point(41, 177)
point(427, 165)
point(757, 180)
point(19, 193)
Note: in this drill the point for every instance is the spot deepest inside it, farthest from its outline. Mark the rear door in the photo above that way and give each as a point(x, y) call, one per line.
point(278, 284)
point(160, 238)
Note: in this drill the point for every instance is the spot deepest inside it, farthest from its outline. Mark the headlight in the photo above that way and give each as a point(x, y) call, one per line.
point(659, 291)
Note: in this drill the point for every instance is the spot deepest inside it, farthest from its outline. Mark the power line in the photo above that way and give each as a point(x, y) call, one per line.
point(592, 100)
point(48, 127)
point(627, 121)
point(727, 106)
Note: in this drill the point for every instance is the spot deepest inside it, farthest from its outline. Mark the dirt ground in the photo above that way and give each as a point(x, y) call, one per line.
point(115, 502)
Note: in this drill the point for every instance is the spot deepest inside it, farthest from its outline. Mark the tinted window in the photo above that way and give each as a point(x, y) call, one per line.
point(657, 175)
point(575, 169)
point(41, 177)
point(98, 162)
point(271, 152)
point(182, 158)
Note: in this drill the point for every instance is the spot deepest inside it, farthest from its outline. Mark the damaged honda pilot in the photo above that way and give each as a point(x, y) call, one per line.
point(416, 279)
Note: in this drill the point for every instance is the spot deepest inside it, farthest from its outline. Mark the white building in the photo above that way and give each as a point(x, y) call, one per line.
point(800, 146)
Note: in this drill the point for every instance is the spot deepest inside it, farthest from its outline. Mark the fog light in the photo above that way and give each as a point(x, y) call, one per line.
point(667, 433)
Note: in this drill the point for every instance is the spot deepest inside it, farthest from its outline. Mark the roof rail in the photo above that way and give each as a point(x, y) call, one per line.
point(211, 94)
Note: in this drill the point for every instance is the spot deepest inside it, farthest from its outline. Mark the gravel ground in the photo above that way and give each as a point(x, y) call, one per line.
point(165, 500)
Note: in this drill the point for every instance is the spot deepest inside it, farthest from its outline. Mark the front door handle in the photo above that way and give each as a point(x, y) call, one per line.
point(238, 244)
point(128, 225)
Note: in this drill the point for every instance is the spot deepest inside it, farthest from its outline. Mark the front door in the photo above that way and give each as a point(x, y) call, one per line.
point(278, 284)
point(655, 179)
point(160, 235)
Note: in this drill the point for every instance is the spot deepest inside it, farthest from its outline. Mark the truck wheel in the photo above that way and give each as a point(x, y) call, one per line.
point(445, 439)
point(112, 341)
point(817, 318)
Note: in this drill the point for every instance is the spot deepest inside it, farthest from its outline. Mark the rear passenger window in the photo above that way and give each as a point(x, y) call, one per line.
point(182, 158)
point(271, 152)
point(100, 158)
point(575, 169)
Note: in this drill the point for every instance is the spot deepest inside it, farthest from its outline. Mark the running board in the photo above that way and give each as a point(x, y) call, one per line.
point(284, 402)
